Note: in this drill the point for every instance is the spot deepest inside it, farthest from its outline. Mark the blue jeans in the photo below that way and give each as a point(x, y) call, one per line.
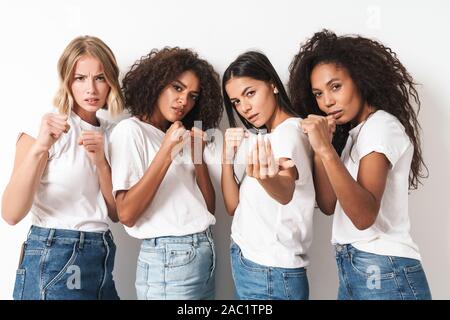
point(368, 276)
point(59, 264)
point(257, 282)
point(177, 268)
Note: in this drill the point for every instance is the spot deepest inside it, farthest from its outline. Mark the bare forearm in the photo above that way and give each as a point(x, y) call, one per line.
point(206, 186)
point(136, 200)
point(19, 193)
point(105, 181)
point(230, 189)
point(325, 196)
point(358, 204)
point(280, 188)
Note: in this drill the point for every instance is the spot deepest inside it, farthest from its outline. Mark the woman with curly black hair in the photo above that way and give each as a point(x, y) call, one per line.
point(273, 204)
point(163, 196)
point(357, 90)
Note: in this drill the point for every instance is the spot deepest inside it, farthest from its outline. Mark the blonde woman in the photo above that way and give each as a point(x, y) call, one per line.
point(63, 179)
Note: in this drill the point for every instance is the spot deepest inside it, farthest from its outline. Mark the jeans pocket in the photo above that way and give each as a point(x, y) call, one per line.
point(296, 285)
point(56, 264)
point(141, 283)
point(417, 281)
point(250, 265)
point(371, 265)
point(251, 280)
point(19, 284)
point(179, 254)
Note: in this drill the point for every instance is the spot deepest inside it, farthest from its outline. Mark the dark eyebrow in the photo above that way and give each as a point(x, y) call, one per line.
point(180, 83)
point(243, 93)
point(328, 83)
point(245, 90)
point(332, 80)
point(185, 86)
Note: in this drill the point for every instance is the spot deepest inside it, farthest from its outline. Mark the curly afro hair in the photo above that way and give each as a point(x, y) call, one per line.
point(149, 75)
point(383, 82)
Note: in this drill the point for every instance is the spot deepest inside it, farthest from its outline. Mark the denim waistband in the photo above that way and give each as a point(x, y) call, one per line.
point(189, 238)
point(343, 248)
point(49, 235)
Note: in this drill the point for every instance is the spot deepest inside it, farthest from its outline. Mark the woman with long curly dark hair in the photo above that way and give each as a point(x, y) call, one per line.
point(164, 196)
point(357, 90)
point(273, 205)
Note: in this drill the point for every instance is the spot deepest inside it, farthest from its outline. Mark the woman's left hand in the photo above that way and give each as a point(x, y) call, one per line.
point(93, 143)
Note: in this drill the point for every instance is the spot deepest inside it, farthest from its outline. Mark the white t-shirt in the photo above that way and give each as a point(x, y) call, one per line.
point(268, 232)
point(389, 235)
point(178, 207)
point(69, 195)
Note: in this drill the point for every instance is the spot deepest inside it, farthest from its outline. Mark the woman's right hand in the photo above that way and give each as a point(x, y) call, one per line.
point(176, 137)
point(52, 127)
point(320, 131)
point(232, 140)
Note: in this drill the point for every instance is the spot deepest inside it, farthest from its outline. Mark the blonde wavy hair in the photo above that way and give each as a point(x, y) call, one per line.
point(94, 47)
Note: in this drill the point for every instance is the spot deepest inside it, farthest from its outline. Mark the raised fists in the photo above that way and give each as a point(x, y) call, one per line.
point(176, 137)
point(232, 140)
point(93, 143)
point(52, 127)
point(320, 132)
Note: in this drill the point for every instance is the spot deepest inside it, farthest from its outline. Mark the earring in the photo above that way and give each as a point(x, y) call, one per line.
point(275, 91)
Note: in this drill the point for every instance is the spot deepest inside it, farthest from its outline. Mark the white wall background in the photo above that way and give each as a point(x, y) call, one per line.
point(34, 33)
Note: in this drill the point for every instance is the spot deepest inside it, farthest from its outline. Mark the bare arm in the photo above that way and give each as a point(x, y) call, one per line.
point(105, 181)
point(281, 187)
point(206, 186)
point(198, 142)
point(132, 203)
point(29, 164)
point(325, 196)
point(230, 189)
point(93, 142)
point(360, 199)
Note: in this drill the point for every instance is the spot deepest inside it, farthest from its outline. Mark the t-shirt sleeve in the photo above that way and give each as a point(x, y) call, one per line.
point(290, 142)
point(382, 135)
point(126, 155)
point(30, 126)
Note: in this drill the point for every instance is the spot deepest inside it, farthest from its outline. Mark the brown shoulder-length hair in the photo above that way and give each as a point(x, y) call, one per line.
point(381, 79)
point(149, 75)
point(94, 47)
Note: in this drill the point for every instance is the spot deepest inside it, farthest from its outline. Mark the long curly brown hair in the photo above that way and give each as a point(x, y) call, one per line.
point(383, 82)
point(149, 75)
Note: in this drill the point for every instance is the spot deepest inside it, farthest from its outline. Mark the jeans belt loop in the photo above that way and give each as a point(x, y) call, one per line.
point(81, 244)
point(50, 237)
